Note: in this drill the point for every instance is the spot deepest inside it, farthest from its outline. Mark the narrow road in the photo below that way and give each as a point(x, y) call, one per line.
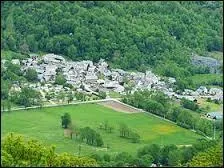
point(54, 105)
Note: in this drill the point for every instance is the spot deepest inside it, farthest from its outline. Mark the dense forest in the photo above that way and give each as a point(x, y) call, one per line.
point(130, 35)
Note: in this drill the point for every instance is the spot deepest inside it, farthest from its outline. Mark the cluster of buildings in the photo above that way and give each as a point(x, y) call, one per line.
point(90, 77)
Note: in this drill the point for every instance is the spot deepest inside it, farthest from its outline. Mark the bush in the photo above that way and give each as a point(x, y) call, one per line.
point(189, 104)
point(106, 157)
point(135, 138)
point(31, 75)
point(102, 95)
point(60, 79)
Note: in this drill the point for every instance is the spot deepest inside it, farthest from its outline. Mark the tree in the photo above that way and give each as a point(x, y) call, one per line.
point(24, 48)
point(125, 45)
point(33, 44)
point(213, 156)
point(189, 104)
point(153, 150)
point(174, 113)
point(12, 43)
point(31, 75)
point(16, 151)
point(99, 140)
point(4, 89)
point(145, 161)
point(175, 158)
point(72, 51)
point(135, 137)
point(102, 95)
point(60, 79)
point(65, 120)
point(188, 153)
point(9, 105)
point(26, 97)
point(106, 157)
point(14, 68)
point(165, 153)
point(124, 130)
point(185, 119)
point(123, 159)
point(70, 97)
point(91, 137)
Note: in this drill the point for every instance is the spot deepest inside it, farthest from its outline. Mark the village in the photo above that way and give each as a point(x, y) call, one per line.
point(90, 78)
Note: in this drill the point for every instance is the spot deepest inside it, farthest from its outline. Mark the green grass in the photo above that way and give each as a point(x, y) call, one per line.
point(217, 55)
point(212, 106)
point(9, 55)
point(113, 94)
point(206, 79)
point(45, 125)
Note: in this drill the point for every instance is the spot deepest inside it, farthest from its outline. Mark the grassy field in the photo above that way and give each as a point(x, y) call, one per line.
point(45, 125)
point(206, 79)
point(113, 94)
point(212, 106)
point(217, 55)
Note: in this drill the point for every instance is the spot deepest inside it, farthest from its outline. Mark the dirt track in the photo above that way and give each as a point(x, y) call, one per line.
point(119, 107)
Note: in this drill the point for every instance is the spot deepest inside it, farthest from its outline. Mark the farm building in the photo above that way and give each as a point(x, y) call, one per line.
point(215, 115)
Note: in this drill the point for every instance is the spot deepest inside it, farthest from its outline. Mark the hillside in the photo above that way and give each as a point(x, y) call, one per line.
point(130, 35)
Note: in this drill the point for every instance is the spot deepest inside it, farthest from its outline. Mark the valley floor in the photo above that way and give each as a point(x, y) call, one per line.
point(45, 125)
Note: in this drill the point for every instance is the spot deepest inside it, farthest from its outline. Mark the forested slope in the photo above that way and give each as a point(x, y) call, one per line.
point(130, 35)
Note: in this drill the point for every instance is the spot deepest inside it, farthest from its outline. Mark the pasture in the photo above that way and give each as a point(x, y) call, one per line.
point(45, 125)
point(206, 80)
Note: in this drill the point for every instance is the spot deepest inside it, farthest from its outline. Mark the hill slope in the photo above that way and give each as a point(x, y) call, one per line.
point(131, 35)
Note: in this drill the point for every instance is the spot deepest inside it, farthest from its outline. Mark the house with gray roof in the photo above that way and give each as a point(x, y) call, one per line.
point(215, 115)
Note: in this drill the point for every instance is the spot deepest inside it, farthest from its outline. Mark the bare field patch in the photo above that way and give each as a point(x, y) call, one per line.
point(117, 106)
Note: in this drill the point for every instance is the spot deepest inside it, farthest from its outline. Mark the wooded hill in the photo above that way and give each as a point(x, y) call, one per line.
point(130, 35)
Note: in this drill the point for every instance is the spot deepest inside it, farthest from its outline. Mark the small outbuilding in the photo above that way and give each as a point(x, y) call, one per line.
point(215, 115)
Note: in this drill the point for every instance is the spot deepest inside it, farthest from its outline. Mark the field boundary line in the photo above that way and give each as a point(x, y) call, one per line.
point(55, 105)
point(97, 101)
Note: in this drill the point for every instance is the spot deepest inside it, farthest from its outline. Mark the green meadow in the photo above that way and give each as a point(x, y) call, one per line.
point(45, 125)
point(206, 79)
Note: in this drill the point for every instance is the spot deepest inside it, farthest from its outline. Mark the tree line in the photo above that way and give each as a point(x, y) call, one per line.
point(92, 137)
point(160, 104)
point(201, 153)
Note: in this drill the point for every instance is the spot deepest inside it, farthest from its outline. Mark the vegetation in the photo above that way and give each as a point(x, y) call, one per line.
point(20, 152)
point(102, 95)
point(26, 97)
point(206, 80)
point(160, 36)
point(158, 103)
point(9, 55)
point(60, 79)
point(31, 75)
point(90, 136)
point(129, 35)
point(167, 155)
point(66, 120)
point(213, 156)
point(189, 104)
point(126, 132)
point(45, 124)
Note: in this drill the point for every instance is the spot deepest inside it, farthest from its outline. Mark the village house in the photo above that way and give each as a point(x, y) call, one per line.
point(215, 115)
